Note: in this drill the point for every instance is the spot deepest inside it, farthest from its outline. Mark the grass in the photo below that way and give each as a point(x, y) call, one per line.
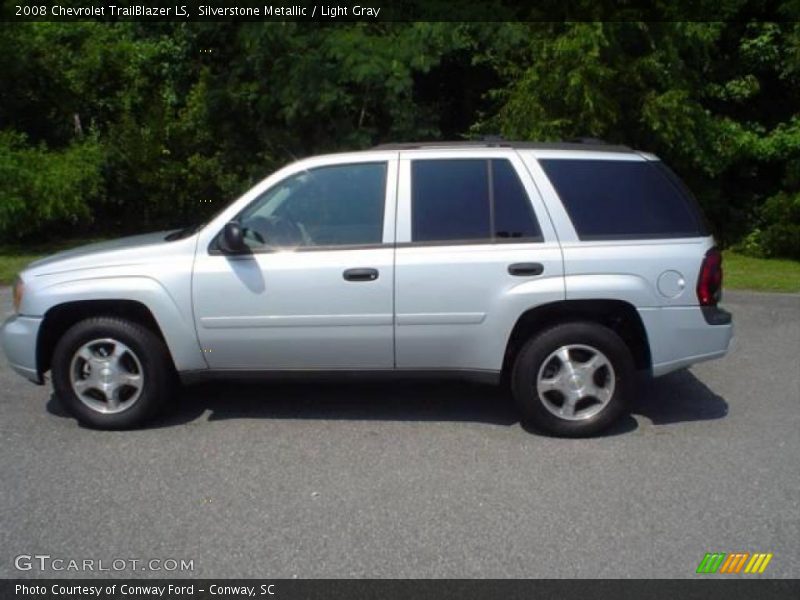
point(761, 274)
point(741, 272)
point(14, 258)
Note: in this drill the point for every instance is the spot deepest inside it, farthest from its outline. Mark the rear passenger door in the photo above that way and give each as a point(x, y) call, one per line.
point(475, 249)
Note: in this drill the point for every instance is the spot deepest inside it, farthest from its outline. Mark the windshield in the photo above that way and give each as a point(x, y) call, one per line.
point(181, 234)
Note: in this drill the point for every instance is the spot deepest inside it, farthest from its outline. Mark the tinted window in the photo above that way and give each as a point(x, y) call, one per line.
point(513, 213)
point(449, 200)
point(460, 199)
point(613, 199)
point(694, 206)
point(327, 206)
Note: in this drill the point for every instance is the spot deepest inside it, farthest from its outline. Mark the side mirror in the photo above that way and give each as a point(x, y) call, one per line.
point(233, 238)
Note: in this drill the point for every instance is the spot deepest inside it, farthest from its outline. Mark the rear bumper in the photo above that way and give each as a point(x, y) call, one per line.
point(681, 336)
point(18, 337)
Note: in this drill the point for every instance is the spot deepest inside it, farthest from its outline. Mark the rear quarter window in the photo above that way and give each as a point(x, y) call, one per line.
point(624, 199)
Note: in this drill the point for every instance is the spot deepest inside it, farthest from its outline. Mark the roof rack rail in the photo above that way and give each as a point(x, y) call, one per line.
point(585, 140)
point(585, 144)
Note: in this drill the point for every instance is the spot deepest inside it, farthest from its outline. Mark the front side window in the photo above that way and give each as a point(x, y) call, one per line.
point(338, 205)
point(465, 200)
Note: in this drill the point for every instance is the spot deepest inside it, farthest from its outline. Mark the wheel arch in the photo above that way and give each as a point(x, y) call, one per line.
point(58, 319)
point(618, 315)
point(166, 311)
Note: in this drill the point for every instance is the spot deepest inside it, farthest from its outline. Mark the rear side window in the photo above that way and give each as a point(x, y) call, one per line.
point(513, 213)
point(465, 200)
point(623, 199)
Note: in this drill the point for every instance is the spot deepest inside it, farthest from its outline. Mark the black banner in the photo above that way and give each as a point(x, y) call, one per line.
point(390, 589)
point(397, 10)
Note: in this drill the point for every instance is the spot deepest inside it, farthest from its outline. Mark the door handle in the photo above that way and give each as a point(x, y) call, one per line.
point(360, 274)
point(526, 269)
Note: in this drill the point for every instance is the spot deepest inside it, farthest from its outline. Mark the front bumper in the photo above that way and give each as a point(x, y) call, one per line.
point(682, 336)
point(18, 337)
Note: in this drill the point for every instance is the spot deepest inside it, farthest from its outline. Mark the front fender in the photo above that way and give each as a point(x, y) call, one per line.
point(174, 318)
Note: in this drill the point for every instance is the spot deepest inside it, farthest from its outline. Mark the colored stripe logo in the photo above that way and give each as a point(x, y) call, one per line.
point(736, 562)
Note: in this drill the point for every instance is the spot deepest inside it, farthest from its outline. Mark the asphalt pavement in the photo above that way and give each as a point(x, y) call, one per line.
point(418, 479)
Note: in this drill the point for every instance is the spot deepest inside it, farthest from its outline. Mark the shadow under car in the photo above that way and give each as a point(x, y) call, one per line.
point(675, 398)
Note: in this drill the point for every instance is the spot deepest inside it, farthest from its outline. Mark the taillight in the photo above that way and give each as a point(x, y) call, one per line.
point(709, 284)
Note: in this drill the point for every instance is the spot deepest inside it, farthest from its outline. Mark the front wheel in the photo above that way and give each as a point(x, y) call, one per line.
point(574, 379)
point(111, 373)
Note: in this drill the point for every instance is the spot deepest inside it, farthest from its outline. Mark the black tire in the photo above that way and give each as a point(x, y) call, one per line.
point(538, 349)
point(149, 349)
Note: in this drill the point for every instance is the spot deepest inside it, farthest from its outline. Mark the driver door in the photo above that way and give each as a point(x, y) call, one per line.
point(317, 290)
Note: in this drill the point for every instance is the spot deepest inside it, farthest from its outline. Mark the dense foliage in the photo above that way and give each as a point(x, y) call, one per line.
point(130, 126)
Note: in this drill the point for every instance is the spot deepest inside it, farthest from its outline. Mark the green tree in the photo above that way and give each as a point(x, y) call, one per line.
point(718, 101)
point(132, 125)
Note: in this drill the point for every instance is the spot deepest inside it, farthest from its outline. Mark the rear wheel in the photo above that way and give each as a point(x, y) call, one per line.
point(574, 379)
point(111, 373)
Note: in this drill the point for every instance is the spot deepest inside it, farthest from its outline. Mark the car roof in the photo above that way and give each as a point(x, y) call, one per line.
point(587, 145)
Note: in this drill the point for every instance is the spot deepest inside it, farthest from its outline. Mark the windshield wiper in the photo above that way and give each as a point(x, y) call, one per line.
point(184, 233)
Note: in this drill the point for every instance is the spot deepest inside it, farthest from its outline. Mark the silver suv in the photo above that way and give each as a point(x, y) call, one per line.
point(560, 269)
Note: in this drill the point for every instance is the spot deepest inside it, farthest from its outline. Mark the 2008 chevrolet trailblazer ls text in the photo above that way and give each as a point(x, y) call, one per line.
point(562, 269)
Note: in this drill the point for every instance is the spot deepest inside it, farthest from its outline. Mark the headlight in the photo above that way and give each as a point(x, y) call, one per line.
point(18, 290)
